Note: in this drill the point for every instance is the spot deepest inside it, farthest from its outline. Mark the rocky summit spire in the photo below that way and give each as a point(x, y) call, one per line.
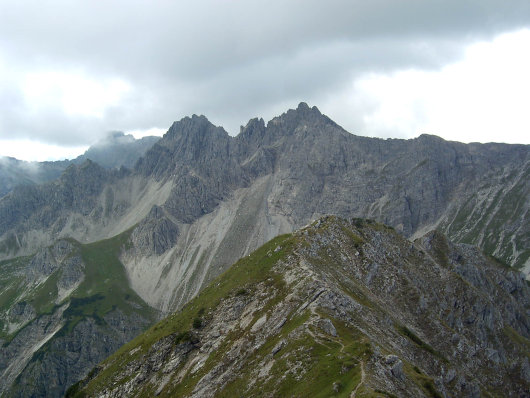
point(191, 141)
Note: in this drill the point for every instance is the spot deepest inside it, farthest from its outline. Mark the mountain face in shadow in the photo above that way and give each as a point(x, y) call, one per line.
point(113, 151)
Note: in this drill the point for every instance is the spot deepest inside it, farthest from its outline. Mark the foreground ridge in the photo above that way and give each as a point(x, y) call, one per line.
point(338, 308)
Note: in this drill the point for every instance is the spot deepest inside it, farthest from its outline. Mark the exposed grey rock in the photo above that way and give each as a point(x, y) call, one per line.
point(155, 234)
point(15, 356)
point(336, 387)
point(449, 376)
point(21, 313)
point(42, 265)
point(61, 249)
point(317, 168)
point(279, 346)
point(72, 273)
point(327, 327)
point(397, 369)
point(259, 323)
point(391, 359)
point(225, 196)
point(55, 333)
point(37, 207)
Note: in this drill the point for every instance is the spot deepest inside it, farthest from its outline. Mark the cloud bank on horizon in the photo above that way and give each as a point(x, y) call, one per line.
point(72, 71)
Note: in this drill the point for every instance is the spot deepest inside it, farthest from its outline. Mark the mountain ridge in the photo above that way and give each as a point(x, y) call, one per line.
point(352, 301)
point(113, 151)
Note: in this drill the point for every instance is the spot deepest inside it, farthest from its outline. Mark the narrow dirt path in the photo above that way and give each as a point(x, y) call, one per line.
point(320, 337)
point(354, 392)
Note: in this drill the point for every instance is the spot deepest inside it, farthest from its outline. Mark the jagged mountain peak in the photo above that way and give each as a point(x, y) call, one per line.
point(192, 142)
point(195, 136)
point(302, 121)
point(252, 135)
point(317, 168)
point(192, 138)
point(294, 124)
point(301, 113)
point(194, 126)
point(254, 125)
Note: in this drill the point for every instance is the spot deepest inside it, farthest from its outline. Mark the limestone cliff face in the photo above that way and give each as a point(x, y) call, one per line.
point(156, 234)
point(43, 206)
point(338, 308)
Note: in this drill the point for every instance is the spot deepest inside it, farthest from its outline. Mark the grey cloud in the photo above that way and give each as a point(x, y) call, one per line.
point(235, 95)
point(174, 37)
point(229, 60)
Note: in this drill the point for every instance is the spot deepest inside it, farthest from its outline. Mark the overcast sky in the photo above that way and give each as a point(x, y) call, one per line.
point(71, 71)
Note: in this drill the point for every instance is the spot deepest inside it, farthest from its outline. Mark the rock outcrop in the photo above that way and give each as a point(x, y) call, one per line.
point(155, 234)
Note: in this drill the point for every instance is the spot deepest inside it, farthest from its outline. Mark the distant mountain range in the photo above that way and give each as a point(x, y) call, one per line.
point(198, 200)
point(113, 151)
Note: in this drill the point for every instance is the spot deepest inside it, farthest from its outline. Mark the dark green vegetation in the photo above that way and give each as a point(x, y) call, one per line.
point(419, 342)
point(105, 284)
